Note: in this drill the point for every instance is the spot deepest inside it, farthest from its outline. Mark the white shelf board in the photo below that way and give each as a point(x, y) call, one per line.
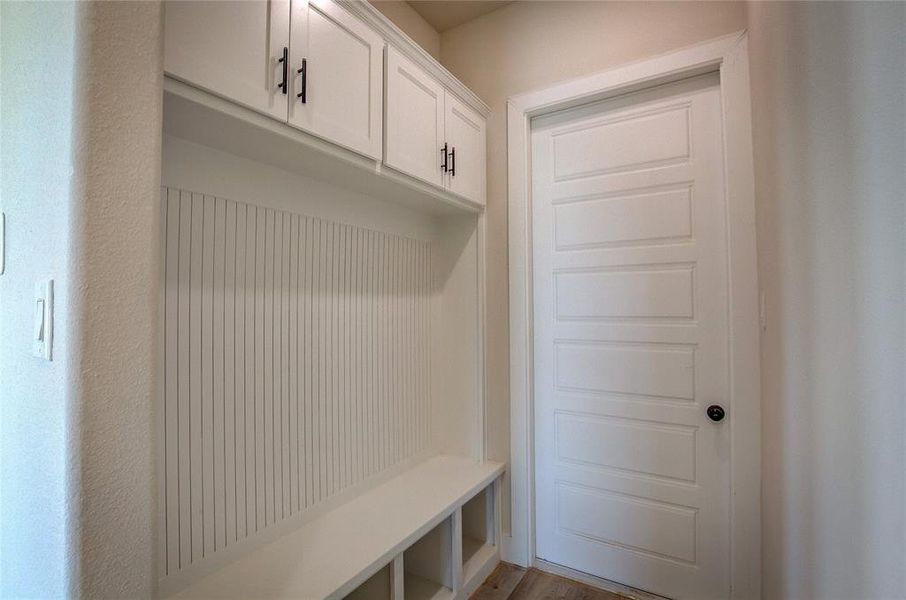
point(198, 116)
point(479, 555)
point(330, 556)
point(470, 547)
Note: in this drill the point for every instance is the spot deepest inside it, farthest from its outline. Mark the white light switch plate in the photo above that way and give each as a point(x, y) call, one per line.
point(2, 242)
point(42, 327)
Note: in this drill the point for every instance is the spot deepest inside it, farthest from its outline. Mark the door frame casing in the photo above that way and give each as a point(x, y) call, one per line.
point(729, 56)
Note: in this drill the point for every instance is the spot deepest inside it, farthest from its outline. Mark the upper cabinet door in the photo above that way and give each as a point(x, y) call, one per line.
point(465, 135)
point(232, 49)
point(414, 120)
point(337, 92)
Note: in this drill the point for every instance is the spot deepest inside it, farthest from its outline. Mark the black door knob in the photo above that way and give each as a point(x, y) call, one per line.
point(715, 413)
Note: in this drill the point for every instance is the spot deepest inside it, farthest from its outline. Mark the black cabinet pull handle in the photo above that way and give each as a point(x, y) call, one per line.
point(303, 71)
point(453, 161)
point(443, 165)
point(284, 60)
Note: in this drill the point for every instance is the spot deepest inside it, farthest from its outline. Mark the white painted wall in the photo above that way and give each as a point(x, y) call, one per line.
point(829, 91)
point(413, 24)
point(531, 45)
point(37, 53)
point(81, 101)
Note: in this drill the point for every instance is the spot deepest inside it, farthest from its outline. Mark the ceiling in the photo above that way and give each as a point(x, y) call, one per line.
point(446, 14)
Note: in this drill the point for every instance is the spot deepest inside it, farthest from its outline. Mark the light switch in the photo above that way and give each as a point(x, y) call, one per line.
point(2, 242)
point(42, 331)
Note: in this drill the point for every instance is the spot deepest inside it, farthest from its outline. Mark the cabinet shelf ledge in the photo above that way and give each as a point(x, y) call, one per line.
point(204, 118)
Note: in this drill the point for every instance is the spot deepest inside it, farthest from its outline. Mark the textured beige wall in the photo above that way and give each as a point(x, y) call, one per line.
point(412, 24)
point(115, 296)
point(532, 45)
point(829, 121)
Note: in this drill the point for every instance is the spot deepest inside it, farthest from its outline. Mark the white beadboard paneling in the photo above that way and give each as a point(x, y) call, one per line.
point(183, 204)
point(207, 375)
point(293, 362)
point(171, 385)
point(260, 355)
point(250, 380)
point(266, 456)
point(195, 378)
point(295, 365)
point(219, 377)
point(230, 444)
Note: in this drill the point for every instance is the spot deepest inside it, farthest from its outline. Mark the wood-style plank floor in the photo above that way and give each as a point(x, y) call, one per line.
point(509, 582)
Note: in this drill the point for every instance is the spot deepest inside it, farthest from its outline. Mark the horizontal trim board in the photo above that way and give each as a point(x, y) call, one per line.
point(197, 116)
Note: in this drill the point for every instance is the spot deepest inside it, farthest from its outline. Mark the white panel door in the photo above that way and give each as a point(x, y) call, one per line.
point(414, 120)
point(467, 158)
point(232, 49)
point(631, 334)
point(338, 93)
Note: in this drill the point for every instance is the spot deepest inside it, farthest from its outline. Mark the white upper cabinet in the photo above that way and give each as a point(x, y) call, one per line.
point(233, 49)
point(337, 84)
point(431, 134)
point(465, 136)
point(319, 66)
point(414, 124)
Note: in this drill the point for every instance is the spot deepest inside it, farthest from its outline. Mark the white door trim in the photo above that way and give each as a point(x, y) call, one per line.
point(729, 55)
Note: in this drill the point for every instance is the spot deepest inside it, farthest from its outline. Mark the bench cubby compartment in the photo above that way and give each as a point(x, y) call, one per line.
point(477, 524)
point(377, 587)
point(428, 565)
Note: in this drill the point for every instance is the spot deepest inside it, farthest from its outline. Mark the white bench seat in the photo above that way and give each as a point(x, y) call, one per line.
point(333, 554)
